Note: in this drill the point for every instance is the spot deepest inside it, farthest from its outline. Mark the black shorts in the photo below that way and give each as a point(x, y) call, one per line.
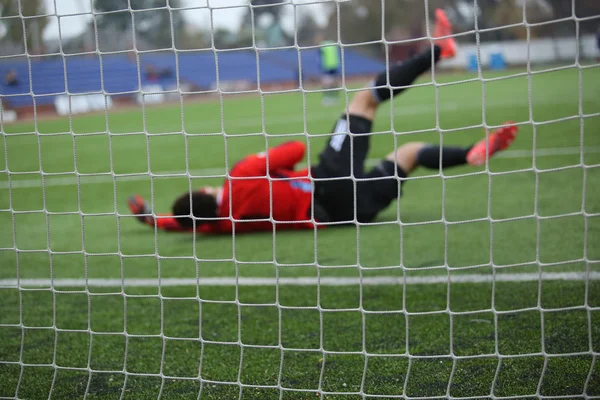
point(331, 72)
point(342, 186)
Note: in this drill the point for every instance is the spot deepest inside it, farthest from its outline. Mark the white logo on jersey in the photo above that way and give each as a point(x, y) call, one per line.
point(337, 141)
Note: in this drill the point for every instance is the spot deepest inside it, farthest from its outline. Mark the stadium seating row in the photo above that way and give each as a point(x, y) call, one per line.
point(120, 75)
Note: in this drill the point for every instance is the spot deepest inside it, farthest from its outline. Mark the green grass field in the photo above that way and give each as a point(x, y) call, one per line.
point(427, 333)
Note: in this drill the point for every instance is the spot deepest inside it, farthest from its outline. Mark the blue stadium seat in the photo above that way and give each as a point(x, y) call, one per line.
point(497, 61)
point(118, 74)
point(472, 62)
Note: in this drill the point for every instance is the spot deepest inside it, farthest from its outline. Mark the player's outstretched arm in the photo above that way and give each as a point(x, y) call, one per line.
point(137, 206)
point(281, 157)
point(286, 155)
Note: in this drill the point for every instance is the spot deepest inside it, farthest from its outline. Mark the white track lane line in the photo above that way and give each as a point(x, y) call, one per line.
point(69, 179)
point(304, 281)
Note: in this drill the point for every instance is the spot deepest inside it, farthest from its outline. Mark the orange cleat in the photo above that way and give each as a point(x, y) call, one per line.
point(443, 27)
point(498, 140)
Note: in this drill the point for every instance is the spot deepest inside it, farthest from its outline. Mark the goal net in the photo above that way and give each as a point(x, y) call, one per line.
point(478, 282)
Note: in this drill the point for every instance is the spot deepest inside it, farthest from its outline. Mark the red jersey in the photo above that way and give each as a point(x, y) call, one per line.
point(260, 190)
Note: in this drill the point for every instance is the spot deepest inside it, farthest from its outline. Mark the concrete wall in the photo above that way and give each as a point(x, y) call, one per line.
point(539, 51)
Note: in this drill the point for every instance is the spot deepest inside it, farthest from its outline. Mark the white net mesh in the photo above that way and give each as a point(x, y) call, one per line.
point(478, 283)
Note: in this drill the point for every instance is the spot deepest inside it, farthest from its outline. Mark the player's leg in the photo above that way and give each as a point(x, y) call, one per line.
point(398, 78)
point(366, 102)
point(342, 148)
point(363, 107)
point(336, 75)
point(330, 83)
point(381, 187)
point(361, 113)
point(345, 153)
point(417, 154)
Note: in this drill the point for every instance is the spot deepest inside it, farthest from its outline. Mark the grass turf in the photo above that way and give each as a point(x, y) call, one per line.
point(543, 214)
point(293, 343)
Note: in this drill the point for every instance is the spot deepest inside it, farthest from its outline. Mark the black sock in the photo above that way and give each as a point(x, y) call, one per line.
point(429, 156)
point(405, 73)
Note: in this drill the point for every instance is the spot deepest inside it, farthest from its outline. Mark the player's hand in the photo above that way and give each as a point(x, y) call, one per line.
point(138, 206)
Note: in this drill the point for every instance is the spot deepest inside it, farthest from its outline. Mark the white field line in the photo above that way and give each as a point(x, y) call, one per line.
point(105, 177)
point(303, 281)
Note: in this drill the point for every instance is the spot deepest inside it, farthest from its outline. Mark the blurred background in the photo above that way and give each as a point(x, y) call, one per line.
point(52, 48)
point(76, 26)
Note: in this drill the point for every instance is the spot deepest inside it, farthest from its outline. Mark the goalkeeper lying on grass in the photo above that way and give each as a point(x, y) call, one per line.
point(265, 188)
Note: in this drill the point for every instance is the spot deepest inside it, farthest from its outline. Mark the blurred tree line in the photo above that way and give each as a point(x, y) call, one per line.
point(402, 20)
point(13, 28)
point(150, 21)
point(501, 20)
point(156, 24)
